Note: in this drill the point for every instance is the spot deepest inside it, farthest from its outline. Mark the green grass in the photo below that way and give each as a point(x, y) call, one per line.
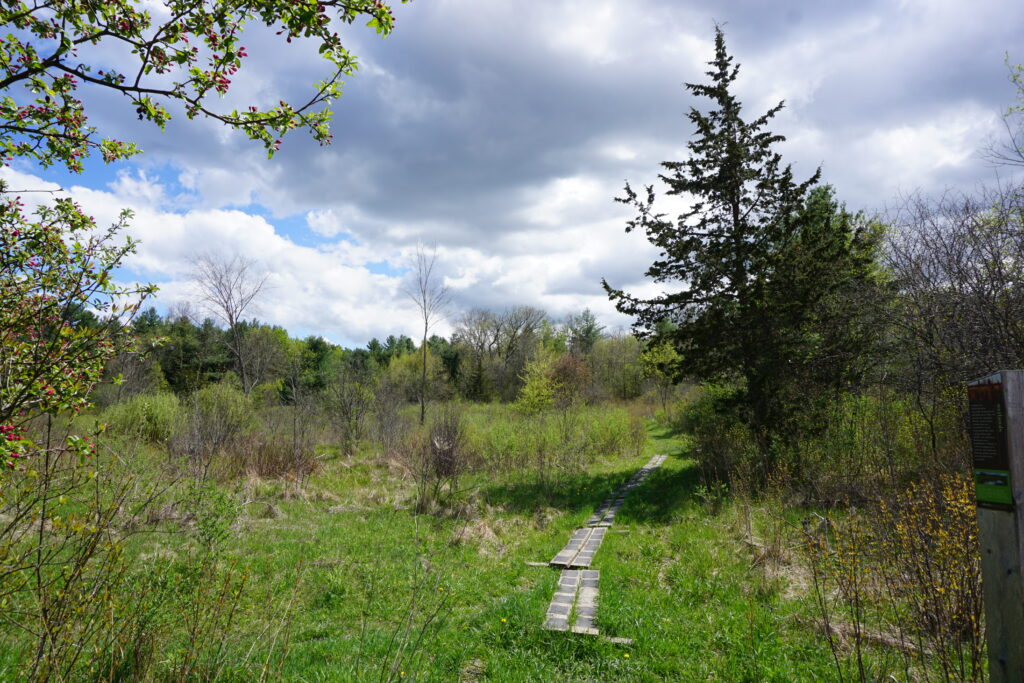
point(347, 570)
point(678, 583)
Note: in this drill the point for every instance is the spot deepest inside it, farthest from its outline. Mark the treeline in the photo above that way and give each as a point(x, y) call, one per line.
point(490, 356)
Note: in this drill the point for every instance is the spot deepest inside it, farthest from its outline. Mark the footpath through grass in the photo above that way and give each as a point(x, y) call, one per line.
point(386, 594)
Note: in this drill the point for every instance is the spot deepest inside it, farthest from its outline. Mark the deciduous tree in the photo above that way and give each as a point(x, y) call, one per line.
point(430, 297)
point(228, 288)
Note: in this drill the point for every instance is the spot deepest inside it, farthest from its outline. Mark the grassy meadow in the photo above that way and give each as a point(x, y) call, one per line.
point(339, 578)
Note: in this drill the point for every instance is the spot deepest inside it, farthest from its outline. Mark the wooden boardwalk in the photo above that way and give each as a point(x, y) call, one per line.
point(581, 548)
point(574, 604)
point(605, 513)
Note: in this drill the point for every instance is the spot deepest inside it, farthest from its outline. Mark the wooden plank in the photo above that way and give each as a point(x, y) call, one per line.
point(599, 513)
point(586, 603)
point(577, 591)
point(637, 480)
point(604, 515)
point(586, 553)
point(609, 517)
point(560, 608)
point(581, 548)
point(576, 542)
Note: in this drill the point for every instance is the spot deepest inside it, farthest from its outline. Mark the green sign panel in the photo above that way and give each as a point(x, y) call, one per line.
point(989, 445)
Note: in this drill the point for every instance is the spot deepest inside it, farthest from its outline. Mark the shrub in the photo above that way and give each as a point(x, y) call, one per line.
point(722, 443)
point(217, 417)
point(438, 456)
point(390, 424)
point(284, 445)
point(226, 405)
point(151, 417)
point(906, 572)
point(856, 450)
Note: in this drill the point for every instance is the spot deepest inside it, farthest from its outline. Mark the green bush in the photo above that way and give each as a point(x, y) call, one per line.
point(226, 406)
point(218, 416)
point(722, 442)
point(151, 417)
point(854, 449)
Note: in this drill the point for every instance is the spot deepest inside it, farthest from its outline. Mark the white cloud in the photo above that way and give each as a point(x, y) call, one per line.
point(559, 202)
point(330, 290)
point(913, 155)
point(138, 188)
point(326, 291)
point(586, 29)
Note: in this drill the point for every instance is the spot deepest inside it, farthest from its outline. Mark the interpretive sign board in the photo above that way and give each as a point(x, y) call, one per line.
point(989, 444)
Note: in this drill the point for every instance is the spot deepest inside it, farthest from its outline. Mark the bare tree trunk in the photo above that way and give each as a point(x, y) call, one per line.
point(239, 356)
point(423, 378)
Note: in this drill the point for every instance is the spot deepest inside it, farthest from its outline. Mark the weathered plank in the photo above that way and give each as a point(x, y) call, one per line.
point(574, 605)
point(575, 598)
point(557, 617)
point(605, 514)
point(589, 549)
point(620, 641)
point(586, 603)
point(566, 555)
point(581, 548)
point(599, 513)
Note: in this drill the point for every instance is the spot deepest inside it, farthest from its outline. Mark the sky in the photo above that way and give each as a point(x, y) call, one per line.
point(500, 133)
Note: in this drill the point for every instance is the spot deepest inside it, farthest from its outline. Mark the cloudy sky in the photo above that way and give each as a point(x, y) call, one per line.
point(501, 132)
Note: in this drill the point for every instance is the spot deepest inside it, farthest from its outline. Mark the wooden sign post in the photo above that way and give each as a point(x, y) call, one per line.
point(997, 443)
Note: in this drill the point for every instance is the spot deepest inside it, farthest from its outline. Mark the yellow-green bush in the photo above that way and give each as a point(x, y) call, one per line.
point(905, 570)
point(151, 417)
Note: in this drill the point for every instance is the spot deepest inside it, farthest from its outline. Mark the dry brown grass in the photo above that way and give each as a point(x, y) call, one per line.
point(481, 535)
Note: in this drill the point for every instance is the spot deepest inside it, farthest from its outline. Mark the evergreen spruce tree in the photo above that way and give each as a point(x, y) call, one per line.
point(750, 268)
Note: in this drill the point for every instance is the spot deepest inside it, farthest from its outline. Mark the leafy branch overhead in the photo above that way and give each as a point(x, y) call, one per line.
point(60, 307)
point(172, 52)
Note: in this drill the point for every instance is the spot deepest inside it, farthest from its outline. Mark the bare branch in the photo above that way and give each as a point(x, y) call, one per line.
point(227, 289)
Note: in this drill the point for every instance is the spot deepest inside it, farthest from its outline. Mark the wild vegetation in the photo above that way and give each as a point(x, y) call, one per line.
point(198, 496)
point(833, 352)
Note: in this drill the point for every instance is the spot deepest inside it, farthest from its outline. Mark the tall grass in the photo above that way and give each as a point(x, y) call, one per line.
point(894, 554)
point(552, 442)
